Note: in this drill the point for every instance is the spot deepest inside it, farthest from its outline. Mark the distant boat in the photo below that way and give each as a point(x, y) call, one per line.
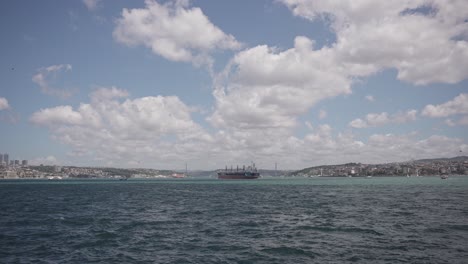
point(248, 173)
point(178, 175)
point(443, 177)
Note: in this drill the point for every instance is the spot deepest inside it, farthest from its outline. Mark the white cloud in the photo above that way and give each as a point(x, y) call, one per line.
point(59, 115)
point(309, 125)
point(7, 114)
point(321, 147)
point(45, 77)
point(374, 119)
point(407, 146)
point(4, 103)
point(263, 91)
point(450, 122)
point(381, 119)
point(459, 105)
point(104, 94)
point(462, 121)
point(113, 130)
point(358, 123)
point(455, 107)
point(266, 88)
point(379, 148)
point(404, 117)
point(426, 41)
point(173, 30)
point(92, 5)
point(153, 129)
point(370, 98)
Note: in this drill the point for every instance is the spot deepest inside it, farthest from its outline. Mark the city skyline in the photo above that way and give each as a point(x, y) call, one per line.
point(161, 84)
point(6, 161)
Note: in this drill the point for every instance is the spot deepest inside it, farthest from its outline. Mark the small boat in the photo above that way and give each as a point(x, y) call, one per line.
point(443, 177)
point(178, 175)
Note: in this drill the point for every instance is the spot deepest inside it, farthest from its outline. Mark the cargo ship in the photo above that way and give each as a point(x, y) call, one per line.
point(243, 173)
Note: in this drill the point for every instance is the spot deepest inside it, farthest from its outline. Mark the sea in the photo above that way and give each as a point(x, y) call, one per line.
point(287, 220)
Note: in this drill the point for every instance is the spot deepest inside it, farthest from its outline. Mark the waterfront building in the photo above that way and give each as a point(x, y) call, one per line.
point(24, 163)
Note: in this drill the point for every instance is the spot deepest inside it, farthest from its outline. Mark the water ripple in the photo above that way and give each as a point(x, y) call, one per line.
point(303, 221)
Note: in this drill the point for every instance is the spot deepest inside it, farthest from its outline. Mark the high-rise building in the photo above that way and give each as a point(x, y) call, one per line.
point(24, 163)
point(6, 159)
point(1, 158)
point(17, 162)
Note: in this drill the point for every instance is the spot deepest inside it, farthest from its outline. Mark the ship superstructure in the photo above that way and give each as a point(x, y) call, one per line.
point(239, 173)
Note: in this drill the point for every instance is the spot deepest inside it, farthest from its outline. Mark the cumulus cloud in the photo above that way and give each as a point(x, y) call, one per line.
point(7, 114)
point(462, 121)
point(408, 146)
point(370, 98)
point(92, 5)
point(173, 30)
point(358, 123)
point(263, 90)
point(322, 147)
point(4, 103)
point(112, 126)
point(57, 116)
point(266, 88)
point(425, 40)
point(381, 119)
point(45, 80)
point(158, 131)
point(105, 94)
point(458, 105)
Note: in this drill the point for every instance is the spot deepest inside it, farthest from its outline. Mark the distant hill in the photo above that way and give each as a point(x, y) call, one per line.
point(274, 173)
point(308, 170)
point(429, 166)
point(459, 158)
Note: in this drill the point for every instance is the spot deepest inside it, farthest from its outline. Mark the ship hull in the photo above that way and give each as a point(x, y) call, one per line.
point(238, 176)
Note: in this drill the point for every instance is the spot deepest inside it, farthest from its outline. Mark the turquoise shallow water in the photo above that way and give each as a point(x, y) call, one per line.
point(317, 220)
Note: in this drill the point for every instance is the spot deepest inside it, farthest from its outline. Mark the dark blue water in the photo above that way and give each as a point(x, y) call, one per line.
point(377, 220)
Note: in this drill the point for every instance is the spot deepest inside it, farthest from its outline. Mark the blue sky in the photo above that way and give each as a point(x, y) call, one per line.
point(163, 83)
